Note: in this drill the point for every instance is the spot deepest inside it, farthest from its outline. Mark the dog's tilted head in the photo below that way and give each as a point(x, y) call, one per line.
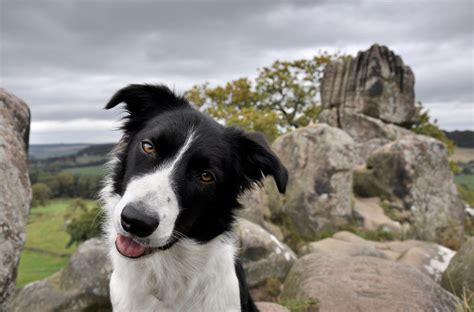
point(179, 173)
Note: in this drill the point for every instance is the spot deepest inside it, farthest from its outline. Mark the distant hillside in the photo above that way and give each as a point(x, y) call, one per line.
point(462, 138)
point(43, 151)
point(58, 157)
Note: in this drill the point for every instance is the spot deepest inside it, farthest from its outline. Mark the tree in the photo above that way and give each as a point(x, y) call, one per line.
point(66, 184)
point(284, 96)
point(41, 194)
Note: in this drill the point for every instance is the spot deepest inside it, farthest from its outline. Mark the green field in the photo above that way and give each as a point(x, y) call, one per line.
point(45, 231)
point(91, 171)
point(465, 179)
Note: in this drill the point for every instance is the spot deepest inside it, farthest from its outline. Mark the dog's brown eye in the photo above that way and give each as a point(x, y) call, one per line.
point(206, 177)
point(147, 147)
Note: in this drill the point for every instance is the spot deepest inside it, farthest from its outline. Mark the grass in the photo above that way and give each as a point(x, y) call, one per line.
point(466, 180)
point(45, 231)
point(295, 305)
point(91, 170)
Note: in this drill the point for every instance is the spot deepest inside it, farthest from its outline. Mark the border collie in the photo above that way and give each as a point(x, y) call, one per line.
point(170, 200)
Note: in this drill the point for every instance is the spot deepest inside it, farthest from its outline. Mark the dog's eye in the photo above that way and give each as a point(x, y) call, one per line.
point(147, 147)
point(206, 177)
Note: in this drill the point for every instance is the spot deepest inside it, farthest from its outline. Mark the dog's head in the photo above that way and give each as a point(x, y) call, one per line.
point(179, 173)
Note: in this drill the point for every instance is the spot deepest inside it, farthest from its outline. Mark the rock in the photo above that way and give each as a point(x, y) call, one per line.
point(319, 159)
point(415, 170)
point(255, 209)
point(372, 216)
point(429, 258)
point(82, 285)
point(376, 83)
point(270, 307)
point(340, 247)
point(15, 189)
point(263, 255)
point(255, 205)
point(368, 133)
point(344, 283)
point(459, 275)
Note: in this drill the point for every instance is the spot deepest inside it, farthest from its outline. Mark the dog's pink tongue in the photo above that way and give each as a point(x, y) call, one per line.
point(128, 247)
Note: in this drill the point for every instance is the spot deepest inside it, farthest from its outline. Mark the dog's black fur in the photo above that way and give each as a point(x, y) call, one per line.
point(236, 159)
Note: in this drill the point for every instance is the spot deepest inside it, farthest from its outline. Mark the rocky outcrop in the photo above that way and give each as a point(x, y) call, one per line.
point(82, 286)
point(262, 254)
point(376, 83)
point(318, 197)
point(361, 282)
point(429, 258)
point(459, 277)
point(15, 189)
point(415, 171)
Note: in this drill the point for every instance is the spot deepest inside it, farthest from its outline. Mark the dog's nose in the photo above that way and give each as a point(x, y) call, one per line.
point(138, 223)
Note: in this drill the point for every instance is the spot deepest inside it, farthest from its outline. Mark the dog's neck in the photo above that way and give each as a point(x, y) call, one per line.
point(188, 274)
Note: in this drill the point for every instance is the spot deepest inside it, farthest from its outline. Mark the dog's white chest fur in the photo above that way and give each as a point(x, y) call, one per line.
point(187, 277)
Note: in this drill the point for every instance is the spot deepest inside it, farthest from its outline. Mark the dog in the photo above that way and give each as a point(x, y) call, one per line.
point(170, 201)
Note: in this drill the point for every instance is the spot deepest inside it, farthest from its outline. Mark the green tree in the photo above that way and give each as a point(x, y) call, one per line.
point(282, 97)
point(82, 221)
point(41, 194)
point(66, 184)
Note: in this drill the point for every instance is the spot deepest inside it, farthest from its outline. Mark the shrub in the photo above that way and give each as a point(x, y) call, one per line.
point(82, 221)
point(41, 194)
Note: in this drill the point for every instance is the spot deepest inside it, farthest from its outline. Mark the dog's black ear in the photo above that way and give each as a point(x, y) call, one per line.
point(143, 101)
point(258, 160)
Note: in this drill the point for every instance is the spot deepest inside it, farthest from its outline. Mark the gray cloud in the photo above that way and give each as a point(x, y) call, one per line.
point(66, 58)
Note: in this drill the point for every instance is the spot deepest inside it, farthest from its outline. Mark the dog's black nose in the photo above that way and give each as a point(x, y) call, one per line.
point(137, 222)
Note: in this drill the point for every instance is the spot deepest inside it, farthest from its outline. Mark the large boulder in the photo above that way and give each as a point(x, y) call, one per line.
point(429, 258)
point(414, 171)
point(319, 159)
point(262, 254)
point(376, 83)
point(459, 277)
point(362, 283)
point(82, 286)
point(15, 189)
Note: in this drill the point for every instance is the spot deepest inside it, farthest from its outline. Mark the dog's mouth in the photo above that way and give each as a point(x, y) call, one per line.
point(129, 248)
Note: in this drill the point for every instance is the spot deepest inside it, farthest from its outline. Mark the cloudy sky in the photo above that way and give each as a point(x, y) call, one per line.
point(66, 58)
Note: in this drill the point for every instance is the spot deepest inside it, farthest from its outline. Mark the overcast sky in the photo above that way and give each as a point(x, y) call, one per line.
point(66, 58)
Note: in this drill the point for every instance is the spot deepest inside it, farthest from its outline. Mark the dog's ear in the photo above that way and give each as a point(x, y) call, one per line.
point(258, 160)
point(144, 101)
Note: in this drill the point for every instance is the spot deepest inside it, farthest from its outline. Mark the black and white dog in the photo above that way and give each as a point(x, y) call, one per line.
point(170, 201)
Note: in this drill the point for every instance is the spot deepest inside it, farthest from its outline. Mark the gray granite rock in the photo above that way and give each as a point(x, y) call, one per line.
point(319, 159)
point(375, 83)
point(362, 283)
point(83, 285)
point(263, 255)
point(15, 189)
